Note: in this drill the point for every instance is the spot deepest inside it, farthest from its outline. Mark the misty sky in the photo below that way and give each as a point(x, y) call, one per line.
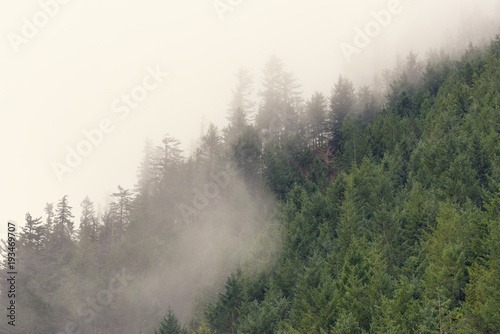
point(66, 77)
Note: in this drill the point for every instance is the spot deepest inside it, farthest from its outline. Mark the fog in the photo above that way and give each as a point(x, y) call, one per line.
point(68, 76)
point(64, 79)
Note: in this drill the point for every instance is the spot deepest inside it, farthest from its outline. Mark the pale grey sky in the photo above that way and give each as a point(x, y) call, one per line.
point(87, 54)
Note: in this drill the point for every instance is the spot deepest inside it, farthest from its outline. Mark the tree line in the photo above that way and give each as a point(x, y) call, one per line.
point(373, 209)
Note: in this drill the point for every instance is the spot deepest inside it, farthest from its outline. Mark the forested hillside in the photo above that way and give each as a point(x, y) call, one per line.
point(370, 210)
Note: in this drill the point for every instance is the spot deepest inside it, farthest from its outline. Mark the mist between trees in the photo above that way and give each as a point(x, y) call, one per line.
point(373, 209)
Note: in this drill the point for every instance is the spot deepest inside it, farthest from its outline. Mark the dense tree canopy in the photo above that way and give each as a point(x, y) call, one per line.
point(347, 213)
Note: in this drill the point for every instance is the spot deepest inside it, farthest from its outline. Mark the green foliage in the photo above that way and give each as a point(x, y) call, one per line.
point(170, 324)
point(223, 316)
point(263, 317)
point(342, 103)
point(385, 221)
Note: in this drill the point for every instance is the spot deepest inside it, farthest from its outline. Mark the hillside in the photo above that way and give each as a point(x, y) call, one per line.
point(372, 210)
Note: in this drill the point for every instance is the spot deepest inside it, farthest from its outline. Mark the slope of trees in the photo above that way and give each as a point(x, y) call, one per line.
point(397, 231)
point(348, 213)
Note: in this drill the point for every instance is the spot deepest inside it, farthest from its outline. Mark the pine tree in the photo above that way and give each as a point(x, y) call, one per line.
point(49, 211)
point(366, 103)
point(223, 316)
point(246, 154)
point(316, 116)
point(145, 172)
point(449, 255)
point(33, 232)
point(106, 235)
point(64, 224)
point(314, 301)
point(169, 181)
point(342, 103)
point(414, 69)
point(236, 127)
point(482, 293)
point(211, 150)
point(168, 162)
point(122, 211)
point(88, 221)
point(362, 282)
point(170, 324)
point(241, 106)
point(351, 223)
point(279, 110)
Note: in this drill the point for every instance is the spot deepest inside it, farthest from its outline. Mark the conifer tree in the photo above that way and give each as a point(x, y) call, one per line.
point(88, 221)
point(342, 103)
point(170, 324)
point(64, 224)
point(316, 116)
point(33, 232)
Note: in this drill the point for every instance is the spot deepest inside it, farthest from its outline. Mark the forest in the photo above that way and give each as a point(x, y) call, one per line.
point(373, 209)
